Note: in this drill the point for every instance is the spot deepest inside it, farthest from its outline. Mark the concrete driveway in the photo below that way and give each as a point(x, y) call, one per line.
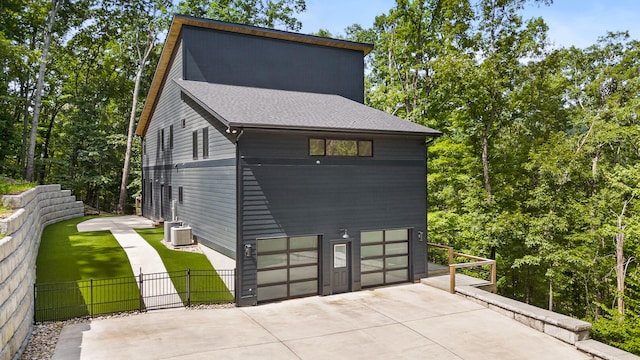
point(401, 322)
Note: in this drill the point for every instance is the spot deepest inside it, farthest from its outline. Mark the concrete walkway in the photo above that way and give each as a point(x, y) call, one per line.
point(402, 322)
point(158, 292)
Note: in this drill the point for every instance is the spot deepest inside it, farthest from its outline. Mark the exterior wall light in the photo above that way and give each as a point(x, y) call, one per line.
point(344, 233)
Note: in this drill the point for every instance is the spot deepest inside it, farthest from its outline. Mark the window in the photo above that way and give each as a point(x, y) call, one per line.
point(171, 137)
point(162, 139)
point(316, 147)
point(170, 192)
point(180, 194)
point(183, 123)
point(144, 147)
point(151, 191)
point(205, 143)
point(195, 145)
point(340, 147)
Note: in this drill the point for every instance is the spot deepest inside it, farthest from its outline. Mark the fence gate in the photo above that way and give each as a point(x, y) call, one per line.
point(66, 300)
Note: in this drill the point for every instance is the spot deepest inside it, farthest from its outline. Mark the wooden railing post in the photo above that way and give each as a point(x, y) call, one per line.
point(493, 273)
point(450, 251)
point(452, 279)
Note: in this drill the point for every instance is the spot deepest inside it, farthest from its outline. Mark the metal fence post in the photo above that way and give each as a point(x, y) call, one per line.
point(35, 308)
point(91, 296)
point(141, 292)
point(188, 287)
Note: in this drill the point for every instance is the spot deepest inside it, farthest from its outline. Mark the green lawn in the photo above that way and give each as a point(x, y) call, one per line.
point(92, 274)
point(177, 262)
point(80, 259)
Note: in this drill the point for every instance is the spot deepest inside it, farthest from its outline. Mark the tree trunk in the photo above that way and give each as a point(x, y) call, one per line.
point(45, 149)
point(620, 260)
point(29, 176)
point(122, 200)
point(550, 294)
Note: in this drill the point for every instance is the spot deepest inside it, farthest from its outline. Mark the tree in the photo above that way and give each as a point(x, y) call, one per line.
point(30, 172)
point(148, 20)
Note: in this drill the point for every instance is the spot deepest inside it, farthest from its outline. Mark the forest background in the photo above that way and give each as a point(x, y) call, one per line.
point(539, 166)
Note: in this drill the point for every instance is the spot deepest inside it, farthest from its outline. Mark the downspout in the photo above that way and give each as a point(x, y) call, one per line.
point(142, 186)
point(239, 235)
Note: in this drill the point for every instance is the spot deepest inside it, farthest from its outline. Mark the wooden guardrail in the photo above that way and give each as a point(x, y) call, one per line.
point(479, 261)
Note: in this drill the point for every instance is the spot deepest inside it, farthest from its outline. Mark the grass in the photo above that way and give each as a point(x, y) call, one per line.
point(11, 187)
point(177, 262)
point(66, 255)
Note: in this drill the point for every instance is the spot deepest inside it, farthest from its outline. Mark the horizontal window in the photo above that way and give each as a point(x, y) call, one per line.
point(340, 147)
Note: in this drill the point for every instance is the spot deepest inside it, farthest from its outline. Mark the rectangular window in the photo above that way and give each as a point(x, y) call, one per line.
point(195, 145)
point(316, 147)
point(205, 143)
point(170, 193)
point(171, 137)
point(151, 191)
point(162, 139)
point(183, 123)
point(340, 147)
point(144, 147)
point(180, 194)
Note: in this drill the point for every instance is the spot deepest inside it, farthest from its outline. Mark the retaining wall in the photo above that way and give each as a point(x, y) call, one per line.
point(36, 208)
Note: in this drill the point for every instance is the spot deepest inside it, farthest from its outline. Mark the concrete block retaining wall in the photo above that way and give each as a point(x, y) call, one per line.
point(36, 208)
point(562, 327)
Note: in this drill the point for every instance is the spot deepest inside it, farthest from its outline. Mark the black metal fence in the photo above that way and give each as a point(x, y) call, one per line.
point(66, 300)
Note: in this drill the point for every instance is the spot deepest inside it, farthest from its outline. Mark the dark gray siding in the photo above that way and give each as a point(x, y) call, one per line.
point(287, 193)
point(209, 184)
point(246, 60)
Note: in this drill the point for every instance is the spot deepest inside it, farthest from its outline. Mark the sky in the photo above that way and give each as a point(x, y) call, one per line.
point(571, 22)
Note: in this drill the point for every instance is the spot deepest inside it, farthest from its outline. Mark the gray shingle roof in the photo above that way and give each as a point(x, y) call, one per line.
point(239, 106)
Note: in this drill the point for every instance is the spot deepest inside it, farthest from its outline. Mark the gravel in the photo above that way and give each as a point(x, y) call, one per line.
point(44, 337)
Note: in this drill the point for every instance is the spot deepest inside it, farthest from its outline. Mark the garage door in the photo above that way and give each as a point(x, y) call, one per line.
point(384, 257)
point(287, 267)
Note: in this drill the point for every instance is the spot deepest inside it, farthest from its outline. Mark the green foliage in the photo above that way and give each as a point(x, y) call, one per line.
point(538, 166)
point(14, 186)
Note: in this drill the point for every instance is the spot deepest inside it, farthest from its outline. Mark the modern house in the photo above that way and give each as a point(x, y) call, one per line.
point(262, 140)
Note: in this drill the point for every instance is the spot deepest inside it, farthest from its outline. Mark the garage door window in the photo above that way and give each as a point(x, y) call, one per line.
point(384, 257)
point(287, 267)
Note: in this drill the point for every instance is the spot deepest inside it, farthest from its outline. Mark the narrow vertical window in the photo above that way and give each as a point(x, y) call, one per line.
point(195, 144)
point(144, 147)
point(170, 193)
point(205, 143)
point(183, 123)
point(151, 191)
point(162, 139)
point(180, 194)
point(171, 137)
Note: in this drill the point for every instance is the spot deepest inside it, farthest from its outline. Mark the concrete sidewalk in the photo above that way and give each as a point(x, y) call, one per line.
point(401, 322)
point(142, 256)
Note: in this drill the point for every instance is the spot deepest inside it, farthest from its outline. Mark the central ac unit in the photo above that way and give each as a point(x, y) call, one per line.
point(181, 236)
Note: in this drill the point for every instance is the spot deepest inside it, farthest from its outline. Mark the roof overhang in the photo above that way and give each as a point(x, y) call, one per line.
point(270, 109)
point(173, 37)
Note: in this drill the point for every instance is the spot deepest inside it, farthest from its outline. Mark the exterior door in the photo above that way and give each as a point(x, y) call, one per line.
point(162, 201)
point(340, 267)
